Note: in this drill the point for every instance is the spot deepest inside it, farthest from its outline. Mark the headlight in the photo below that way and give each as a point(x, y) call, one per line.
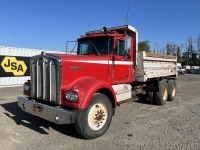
point(71, 96)
point(26, 87)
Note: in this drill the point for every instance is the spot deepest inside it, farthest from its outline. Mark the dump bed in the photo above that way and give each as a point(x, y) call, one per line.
point(151, 65)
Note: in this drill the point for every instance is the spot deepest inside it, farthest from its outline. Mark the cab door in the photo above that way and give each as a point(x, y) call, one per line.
point(121, 61)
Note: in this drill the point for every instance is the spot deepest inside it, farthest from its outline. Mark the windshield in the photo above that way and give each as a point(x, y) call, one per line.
point(95, 45)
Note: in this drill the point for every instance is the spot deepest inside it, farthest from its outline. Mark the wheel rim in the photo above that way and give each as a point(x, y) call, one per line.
point(97, 116)
point(165, 94)
point(173, 91)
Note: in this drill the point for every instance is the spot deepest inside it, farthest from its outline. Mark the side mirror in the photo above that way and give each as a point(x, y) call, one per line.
point(123, 48)
point(127, 47)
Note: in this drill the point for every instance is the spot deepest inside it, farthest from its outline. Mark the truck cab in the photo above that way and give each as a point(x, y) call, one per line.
point(110, 48)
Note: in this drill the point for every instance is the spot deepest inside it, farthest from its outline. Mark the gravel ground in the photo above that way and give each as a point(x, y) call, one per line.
point(136, 125)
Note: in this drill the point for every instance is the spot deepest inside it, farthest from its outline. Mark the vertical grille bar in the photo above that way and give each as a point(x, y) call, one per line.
point(44, 78)
point(37, 79)
point(33, 68)
point(54, 81)
point(50, 80)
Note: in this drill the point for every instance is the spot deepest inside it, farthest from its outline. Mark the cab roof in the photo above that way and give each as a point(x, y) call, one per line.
point(128, 29)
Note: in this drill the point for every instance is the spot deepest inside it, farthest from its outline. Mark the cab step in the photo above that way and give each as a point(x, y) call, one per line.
point(124, 93)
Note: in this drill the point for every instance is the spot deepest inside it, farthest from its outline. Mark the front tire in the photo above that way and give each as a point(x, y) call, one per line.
point(94, 121)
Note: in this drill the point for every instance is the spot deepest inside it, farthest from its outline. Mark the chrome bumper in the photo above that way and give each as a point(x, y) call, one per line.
point(53, 114)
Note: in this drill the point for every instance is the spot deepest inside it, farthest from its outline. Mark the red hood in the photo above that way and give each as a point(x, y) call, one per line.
point(77, 66)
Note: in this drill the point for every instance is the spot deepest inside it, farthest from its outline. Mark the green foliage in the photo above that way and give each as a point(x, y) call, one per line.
point(171, 48)
point(187, 53)
point(144, 46)
point(178, 54)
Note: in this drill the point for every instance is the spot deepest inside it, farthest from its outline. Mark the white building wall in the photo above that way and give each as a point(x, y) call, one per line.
point(13, 51)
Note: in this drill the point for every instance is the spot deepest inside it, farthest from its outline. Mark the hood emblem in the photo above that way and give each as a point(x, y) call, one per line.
point(75, 68)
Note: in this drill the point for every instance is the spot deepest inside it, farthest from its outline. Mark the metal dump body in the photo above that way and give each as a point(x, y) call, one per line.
point(151, 65)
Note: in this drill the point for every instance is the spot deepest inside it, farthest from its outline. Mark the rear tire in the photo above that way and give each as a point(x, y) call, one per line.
point(162, 95)
point(94, 121)
point(151, 97)
point(172, 90)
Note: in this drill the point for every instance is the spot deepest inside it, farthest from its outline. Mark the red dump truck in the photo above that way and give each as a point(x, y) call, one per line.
point(108, 70)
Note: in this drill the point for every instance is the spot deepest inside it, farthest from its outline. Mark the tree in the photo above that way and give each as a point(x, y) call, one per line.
point(191, 53)
point(144, 46)
point(187, 54)
point(198, 48)
point(194, 60)
point(171, 48)
point(198, 45)
point(178, 54)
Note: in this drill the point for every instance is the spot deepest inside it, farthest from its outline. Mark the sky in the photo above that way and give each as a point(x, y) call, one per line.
point(48, 24)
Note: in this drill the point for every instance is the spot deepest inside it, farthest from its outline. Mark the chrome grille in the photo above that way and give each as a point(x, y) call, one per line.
point(45, 77)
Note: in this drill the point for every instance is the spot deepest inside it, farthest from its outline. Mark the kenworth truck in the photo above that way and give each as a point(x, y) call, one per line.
point(108, 70)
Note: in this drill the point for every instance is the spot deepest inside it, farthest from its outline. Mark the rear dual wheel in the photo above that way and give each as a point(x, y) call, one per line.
point(162, 95)
point(172, 90)
point(151, 97)
point(167, 91)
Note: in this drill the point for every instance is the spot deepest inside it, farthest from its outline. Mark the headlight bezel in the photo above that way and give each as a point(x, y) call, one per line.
point(26, 87)
point(71, 96)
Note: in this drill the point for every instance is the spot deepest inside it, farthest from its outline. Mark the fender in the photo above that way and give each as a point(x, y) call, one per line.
point(85, 87)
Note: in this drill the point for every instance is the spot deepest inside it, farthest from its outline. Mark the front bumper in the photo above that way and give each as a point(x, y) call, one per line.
point(53, 114)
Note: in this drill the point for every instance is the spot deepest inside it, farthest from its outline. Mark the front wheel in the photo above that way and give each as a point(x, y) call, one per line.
point(94, 121)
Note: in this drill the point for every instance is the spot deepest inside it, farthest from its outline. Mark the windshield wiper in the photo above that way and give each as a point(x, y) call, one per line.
point(95, 48)
point(73, 48)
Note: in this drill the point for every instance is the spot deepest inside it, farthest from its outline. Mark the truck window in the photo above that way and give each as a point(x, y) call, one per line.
point(95, 45)
point(119, 48)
